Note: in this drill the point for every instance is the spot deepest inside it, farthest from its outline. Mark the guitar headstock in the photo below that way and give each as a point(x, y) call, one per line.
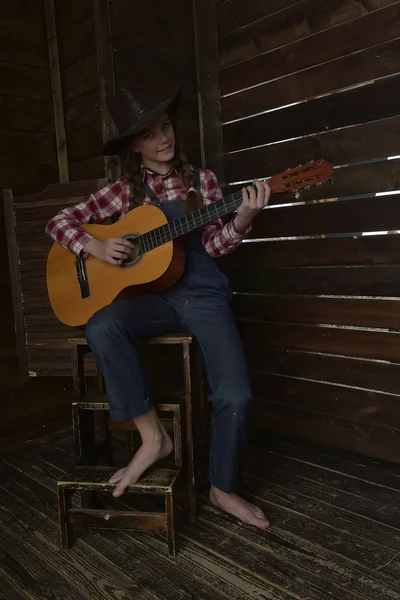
point(302, 177)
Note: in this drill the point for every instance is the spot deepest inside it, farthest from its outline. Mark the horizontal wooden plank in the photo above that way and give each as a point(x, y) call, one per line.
point(360, 469)
point(367, 250)
point(22, 39)
point(36, 308)
point(374, 28)
point(278, 29)
point(27, 146)
point(362, 406)
point(90, 168)
point(333, 340)
point(235, 14)
point(366, 374)
point(35, 178)
point(31, 11)
point(26, 114)
point(80, 78)
point(380, 61)
point(357, 312)
point(26, 82)
point(35, 425)
point(77, 43)
point(59, 193)
point(69, 13)
point(365, 439)
point(60, 351)
point(349, 281)
point(337, 216)
point(48, 329)
point(377, 100)
point(82, 111)
point(85, 142)
point(341, 146)
point(38, 396)
point(121, 520)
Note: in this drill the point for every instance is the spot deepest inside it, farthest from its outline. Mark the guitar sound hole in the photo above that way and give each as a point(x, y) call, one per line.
point(135, 256)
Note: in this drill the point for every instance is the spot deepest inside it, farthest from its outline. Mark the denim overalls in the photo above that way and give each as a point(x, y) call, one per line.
point(199, 303)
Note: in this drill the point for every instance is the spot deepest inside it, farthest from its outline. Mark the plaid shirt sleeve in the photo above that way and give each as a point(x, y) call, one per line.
point(64, 228)
point(218, 239)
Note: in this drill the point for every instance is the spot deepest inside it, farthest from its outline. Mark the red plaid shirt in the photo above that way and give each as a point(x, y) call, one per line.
point(113, 201)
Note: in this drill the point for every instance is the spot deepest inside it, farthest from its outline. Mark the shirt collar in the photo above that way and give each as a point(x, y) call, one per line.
point(145, 172)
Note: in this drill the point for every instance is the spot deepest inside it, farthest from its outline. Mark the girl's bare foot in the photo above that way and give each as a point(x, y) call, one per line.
point(240, 508)
point(150, 452)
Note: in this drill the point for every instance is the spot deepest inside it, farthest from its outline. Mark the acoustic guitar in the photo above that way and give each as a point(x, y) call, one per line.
point(79, 287)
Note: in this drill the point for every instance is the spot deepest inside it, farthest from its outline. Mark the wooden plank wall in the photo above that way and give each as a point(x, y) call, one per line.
point(80, 85)
point(28, 162)
point(319, 313)
point(154, 50)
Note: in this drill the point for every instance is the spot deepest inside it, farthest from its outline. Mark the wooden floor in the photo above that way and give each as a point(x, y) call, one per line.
point(335, 535)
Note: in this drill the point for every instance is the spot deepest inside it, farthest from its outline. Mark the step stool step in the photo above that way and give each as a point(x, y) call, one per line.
point(96, 478)
point(86, 479)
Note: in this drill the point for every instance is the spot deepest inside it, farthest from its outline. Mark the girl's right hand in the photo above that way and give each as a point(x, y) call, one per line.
point(113, 250)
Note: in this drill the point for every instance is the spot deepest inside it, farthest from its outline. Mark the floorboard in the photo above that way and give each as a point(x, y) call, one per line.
point(335, 535)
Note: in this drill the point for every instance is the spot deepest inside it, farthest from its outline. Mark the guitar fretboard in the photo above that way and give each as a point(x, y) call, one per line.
point(182, 225)
point(302, 177)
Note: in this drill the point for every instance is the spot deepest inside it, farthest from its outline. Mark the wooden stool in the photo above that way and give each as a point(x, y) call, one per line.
point(95, 479)
point(84, 433)
point(90, 480)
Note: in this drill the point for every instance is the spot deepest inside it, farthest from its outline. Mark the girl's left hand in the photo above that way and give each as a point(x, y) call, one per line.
point(253, 202)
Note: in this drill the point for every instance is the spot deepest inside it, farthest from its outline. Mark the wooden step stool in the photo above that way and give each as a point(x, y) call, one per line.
point(90, 480)
point(83, 421)
point(95, 479)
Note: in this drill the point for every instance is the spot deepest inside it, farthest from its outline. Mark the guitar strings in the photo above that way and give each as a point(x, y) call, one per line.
point(177, 227)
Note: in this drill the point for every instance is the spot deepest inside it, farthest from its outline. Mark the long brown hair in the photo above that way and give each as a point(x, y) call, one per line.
point(132, 162)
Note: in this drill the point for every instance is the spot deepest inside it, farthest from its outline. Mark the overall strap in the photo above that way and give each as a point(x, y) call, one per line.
point(151, 194)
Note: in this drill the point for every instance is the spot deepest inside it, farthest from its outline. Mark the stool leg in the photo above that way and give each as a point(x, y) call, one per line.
point(78, 370)
point(104, 423)
point(84, 435)
point(64, 504)
point(201, 395)
point(190, 472)
point(171, 523)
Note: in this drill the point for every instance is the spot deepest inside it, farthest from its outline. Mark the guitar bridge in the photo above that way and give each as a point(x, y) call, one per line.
point(82, 277)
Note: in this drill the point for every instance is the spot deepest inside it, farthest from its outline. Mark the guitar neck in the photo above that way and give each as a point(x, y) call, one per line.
point(183, 225)
point(302, 177)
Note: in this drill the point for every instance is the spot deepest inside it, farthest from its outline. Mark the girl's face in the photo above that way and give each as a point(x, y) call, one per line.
point(156, 144)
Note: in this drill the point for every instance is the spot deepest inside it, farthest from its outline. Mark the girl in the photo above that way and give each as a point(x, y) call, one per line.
point(156, 172)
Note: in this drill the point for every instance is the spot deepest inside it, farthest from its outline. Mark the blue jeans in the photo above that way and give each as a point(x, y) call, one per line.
point(205, 311)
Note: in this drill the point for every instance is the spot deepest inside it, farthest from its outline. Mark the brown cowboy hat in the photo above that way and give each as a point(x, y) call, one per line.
point(132, 113)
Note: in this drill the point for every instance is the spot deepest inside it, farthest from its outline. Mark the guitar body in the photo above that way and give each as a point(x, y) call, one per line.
point(153, 271)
